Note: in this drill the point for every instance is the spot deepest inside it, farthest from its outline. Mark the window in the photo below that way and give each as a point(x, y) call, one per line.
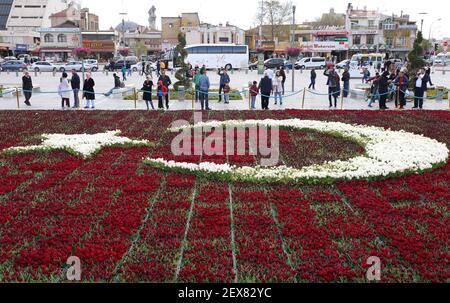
point(224, 39)
point(62, 38)
point(318, 60)
point(240, 49)
point(389, 41)
point(170, 25)
point(357, 39)
point(202, 50)
point(370, 39)
point(214, 50)
point(48, 38)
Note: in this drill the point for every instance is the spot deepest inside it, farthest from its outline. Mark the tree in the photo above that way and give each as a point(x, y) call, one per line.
point(275, 14)
point(415, 57)
point(140, 49)
point(330, 19)
point(181, 74)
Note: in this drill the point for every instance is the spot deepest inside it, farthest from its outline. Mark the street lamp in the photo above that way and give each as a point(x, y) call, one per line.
point(421, 21)
point(431, 27)
point(292, 45)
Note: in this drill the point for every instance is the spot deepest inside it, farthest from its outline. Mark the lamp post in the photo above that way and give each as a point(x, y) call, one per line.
point(431, 28)
point(421, 21)
point(292, 45)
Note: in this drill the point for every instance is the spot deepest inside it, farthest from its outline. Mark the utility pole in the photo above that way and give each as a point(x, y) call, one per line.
point(261, 24)
point(292, 45)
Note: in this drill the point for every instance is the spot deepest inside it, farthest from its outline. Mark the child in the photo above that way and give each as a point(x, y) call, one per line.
point(162, 91)
point(253, 93)
point(226, 91)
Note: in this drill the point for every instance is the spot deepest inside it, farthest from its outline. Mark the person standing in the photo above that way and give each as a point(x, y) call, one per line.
point(124, 73)
point(419, 89)
point(277, 88)
point(383, 89)
point(64, 91)
point(204, 85)
point(166, 82)
point(161, 92)
point(143, 67)
point(75, 83)
point(129, 70)
point(366, 75)
point(226, 93)
point(196, 83)
point(27, 87)
point(224, 78)
point(374, 89)
point(147, 89)
point(283, 80)
point(117, 85)
point(253, 94)
point(333, 86)
point(313, 78)
point(88, 91)
point(402, 83)
point(346, 80)
point(158, 68)
point(265, 87)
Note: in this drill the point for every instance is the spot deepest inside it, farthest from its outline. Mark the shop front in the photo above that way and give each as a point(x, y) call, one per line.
point(327, 49)
point(101, 50)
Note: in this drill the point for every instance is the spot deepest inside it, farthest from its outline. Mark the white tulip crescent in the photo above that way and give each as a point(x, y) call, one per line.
point(388, 153)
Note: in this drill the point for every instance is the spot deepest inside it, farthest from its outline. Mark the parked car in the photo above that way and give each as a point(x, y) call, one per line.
point(138, 66)
point(253, 66)
point(42, 66)
point(92, 63)
point(288, 65)
point(76, 65)
point(13, 65)
point(10, 58)
point(119, 64)
point(308, 63)
point(274, 63)
point(343, 64)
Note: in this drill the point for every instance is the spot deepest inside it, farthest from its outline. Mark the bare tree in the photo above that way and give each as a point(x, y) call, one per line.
point(275, 14)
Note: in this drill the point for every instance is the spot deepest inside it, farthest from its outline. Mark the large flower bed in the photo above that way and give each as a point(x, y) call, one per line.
point(128, 221)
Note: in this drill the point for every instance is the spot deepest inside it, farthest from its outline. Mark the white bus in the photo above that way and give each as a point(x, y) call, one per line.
point(215, 56)
point(443, 59)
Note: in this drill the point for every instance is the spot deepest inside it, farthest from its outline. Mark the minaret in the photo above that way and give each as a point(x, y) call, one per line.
point(152, 17)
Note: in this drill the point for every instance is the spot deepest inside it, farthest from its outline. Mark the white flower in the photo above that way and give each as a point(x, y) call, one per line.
point(82, 144)
point(387, 153)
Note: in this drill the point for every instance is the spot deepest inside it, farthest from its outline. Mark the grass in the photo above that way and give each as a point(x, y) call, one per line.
point(189, 95)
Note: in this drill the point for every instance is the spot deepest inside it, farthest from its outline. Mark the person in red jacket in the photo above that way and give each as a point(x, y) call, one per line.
point(162, 92)
point(253, 93)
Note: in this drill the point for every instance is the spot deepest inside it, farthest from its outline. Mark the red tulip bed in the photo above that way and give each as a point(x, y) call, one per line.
point(130, 222)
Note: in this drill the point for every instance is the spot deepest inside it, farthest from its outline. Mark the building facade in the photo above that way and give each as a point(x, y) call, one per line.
point(19, 20)
point(102, 44)
point(88, 20)
point(363, 25)
point(399, 35)
point(212, 34)
point(171, 27)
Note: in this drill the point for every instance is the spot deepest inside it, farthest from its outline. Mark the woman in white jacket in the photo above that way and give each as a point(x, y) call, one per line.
point(64, 91)
point(278, 88)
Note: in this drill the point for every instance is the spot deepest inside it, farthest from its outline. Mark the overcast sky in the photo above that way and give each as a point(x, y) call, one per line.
point(242, 12)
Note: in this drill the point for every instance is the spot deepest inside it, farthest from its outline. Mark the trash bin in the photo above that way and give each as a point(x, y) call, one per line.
point(181, 93)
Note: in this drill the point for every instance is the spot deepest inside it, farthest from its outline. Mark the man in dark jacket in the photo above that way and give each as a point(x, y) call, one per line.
point(27, 87)
point(75, 83)
point(383, 87)
point(402, 83)
point(117, 85)
point(346, 80)
point(333, 86)
point(166, 82)
point(313, 79)
point(224, 79)
point(265, 87)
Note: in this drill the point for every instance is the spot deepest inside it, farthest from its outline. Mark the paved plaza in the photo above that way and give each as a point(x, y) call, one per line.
point(48, 99)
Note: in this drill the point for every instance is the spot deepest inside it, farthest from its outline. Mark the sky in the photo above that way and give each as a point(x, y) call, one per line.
point(242, 12)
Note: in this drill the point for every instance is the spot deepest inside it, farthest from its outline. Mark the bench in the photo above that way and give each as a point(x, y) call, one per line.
point(123, 92)
point(358, 93)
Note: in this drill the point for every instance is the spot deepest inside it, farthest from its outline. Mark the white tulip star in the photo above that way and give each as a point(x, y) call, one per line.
point(83, 145)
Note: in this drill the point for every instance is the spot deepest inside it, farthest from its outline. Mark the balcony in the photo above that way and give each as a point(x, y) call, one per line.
point(408, 26)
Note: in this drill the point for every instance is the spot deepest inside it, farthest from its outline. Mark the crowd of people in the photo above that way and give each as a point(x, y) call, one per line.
point(387, 84)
